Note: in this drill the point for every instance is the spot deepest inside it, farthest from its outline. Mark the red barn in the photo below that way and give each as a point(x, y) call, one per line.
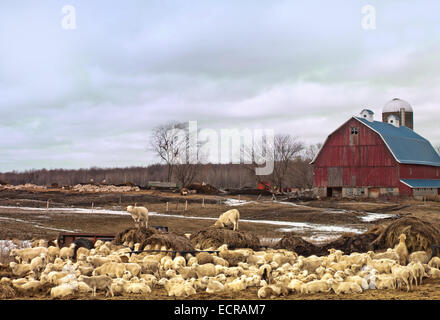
point(368, 158)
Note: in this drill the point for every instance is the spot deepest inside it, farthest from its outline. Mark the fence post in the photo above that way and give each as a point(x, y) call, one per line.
point(93, 205)
point(47, 205)
point(203, 202)
point(167, 207)
point(186, 205)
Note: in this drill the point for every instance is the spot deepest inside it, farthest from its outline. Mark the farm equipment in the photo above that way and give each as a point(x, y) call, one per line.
point(65, 239)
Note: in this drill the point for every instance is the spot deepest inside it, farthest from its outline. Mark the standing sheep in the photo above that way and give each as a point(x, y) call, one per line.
point(402, 250)
point(227, 218)
point(139, 215)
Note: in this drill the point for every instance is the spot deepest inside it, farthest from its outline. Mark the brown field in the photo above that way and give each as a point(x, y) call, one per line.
point(25, 224)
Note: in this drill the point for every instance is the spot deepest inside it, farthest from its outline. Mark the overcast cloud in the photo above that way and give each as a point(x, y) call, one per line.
point(89, 96)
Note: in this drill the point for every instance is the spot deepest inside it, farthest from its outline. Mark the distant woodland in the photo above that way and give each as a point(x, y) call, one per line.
point(218, 175)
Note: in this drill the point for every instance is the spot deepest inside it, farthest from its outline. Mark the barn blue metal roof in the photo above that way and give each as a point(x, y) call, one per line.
point(421, 183)
point(407, 146)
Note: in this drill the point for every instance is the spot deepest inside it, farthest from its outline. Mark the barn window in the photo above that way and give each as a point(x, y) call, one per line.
point(354, 130)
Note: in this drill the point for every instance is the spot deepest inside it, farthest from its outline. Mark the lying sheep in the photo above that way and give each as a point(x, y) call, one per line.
point(62, 291)
point(271, 291)
point(317, 286)
point(347, 287)
point(139, 215)
point(419, 256)
point(98, 282)
point(138, 288)
point(227, 219)
point(111, 269)
point(27, 254)
point(20, 270)
point(389, 254)
point(205, 270)
point(215, 286)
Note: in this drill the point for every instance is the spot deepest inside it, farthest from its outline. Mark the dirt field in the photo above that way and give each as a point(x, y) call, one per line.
point(19, 219)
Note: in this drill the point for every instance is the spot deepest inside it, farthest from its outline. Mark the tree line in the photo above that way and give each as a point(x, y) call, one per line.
point(291, 159)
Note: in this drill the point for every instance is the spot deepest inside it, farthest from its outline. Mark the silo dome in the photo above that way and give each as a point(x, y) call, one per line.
point(400, 109)
point(395, 105)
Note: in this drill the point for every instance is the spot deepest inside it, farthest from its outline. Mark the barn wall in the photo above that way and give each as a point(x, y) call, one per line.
point(419, 172)
point(404, 190)
point(348, 160)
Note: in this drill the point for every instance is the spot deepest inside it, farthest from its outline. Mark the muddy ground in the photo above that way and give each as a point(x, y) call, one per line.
point(22, 223)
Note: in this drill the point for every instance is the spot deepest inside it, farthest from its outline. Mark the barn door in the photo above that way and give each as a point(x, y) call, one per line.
point(335, 177)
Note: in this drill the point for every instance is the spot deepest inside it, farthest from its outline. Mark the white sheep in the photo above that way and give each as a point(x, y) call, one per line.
point(139, 215)
point(402, 250)
point(227, 218)
point(418, 271)
point(434, 262)
point(20, 269)
point(67, 252)
point(317, 286)
point(62, 291)
point(402, 275)
point(38, 263)
point(98, 282)
point(215, 286)
point(138, 288)
point(111, 269)
point(207, 269)
point(347, 287)
point(27, 254)
point(419, 256)
point(384, 282)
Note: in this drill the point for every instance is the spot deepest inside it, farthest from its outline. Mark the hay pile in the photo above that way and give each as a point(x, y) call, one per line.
point(215, 237)
point(135, 235)
point(348, 243)
point(153, 237)
point(6, 292)
point(170, 240)
point(295, 243)
point(420, 234)
point(351, 242)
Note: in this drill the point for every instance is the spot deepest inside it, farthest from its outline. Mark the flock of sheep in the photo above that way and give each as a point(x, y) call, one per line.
point(116, 271)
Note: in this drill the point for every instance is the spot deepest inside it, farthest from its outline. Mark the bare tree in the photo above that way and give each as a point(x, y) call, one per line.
point(166, 141)
point(284, 150)
point(302, 170)
point(188, 160)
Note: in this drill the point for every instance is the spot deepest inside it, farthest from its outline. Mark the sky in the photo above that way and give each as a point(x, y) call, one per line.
point(84, 87)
